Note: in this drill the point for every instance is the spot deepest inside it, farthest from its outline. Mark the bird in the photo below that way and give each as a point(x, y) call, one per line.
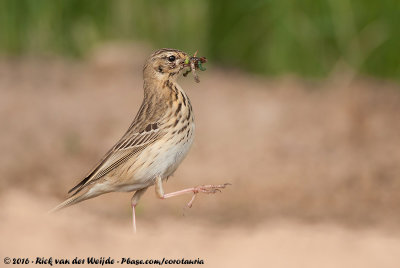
point(156, 142)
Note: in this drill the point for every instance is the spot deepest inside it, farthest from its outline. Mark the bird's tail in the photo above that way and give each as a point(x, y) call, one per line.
point(69, 202)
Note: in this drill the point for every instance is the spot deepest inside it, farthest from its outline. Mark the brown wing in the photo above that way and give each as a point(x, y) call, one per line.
point(128, 146)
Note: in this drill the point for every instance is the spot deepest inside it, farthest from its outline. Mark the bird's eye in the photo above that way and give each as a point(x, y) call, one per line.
point(171, 58)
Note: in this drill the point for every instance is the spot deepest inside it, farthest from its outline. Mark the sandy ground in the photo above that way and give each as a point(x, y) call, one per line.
point(27, 233)
point(314, 167)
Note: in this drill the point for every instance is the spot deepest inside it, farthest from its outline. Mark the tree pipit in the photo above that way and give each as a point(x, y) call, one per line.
point(155, 143)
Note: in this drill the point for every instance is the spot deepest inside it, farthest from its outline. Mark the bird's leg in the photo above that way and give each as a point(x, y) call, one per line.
point(134, 202)
point(208, 189)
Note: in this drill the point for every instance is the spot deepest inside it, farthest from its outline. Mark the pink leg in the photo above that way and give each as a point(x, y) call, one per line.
point(133, 219)
point(208, 189)
point(134, 201)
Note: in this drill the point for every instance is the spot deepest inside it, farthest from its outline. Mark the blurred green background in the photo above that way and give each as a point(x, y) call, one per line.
point(308, 38)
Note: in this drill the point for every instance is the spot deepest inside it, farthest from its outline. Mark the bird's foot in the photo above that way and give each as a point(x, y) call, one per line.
point(207, 189)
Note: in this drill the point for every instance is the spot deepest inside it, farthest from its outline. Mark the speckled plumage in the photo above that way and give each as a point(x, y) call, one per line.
point(155, 143)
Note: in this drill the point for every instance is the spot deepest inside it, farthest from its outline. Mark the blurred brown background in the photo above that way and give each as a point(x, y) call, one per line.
point(314, 163)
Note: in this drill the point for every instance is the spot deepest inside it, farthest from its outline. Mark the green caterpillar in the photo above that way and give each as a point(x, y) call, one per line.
point(201, 66)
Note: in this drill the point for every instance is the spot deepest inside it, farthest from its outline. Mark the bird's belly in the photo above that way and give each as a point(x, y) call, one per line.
point(162, 159)
point(174, 157)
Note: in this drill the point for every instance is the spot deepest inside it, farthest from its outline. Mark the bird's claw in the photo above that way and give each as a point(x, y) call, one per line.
point(207, 189)
point(210, 189)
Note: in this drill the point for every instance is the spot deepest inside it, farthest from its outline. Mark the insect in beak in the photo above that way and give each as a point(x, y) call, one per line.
point(194, 63)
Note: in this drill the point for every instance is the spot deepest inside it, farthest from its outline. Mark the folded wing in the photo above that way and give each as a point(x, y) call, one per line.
point(127, 147)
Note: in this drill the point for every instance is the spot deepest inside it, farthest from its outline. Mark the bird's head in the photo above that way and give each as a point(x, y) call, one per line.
point(165, 64)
